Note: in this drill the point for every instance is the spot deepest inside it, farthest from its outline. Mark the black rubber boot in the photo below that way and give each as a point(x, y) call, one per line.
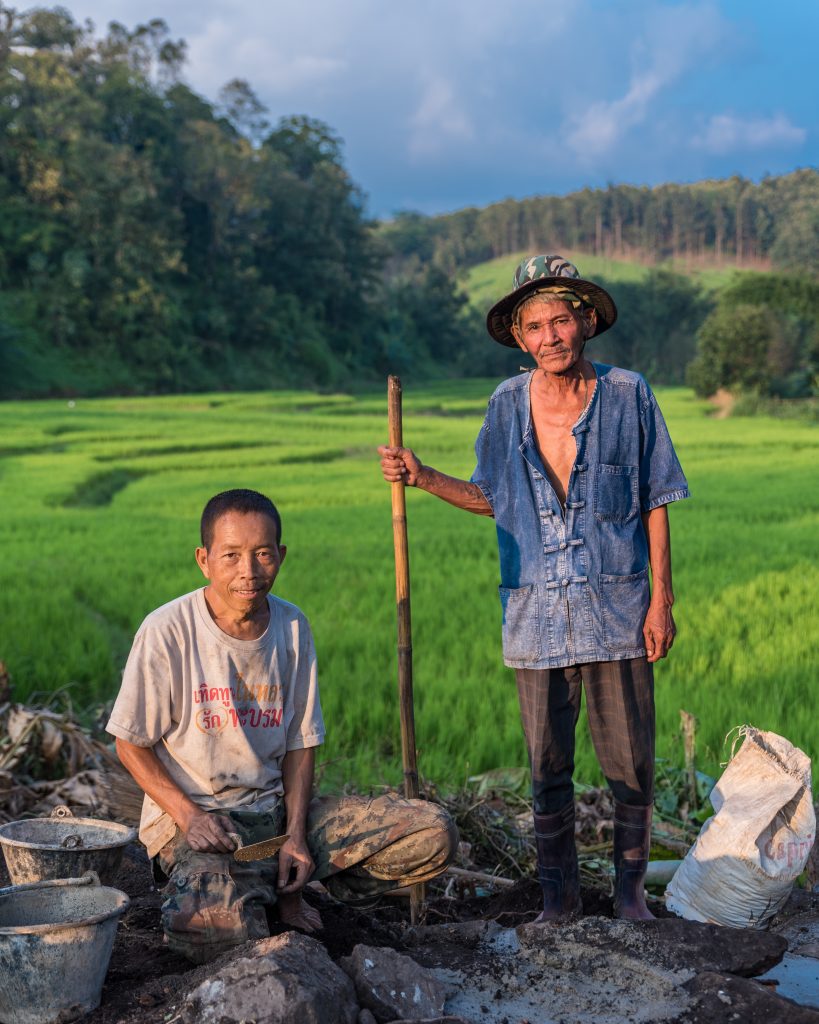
point(557, 865)
point(632, 842)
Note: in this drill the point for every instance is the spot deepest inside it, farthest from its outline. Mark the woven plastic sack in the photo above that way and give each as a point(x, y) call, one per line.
point(747, 856)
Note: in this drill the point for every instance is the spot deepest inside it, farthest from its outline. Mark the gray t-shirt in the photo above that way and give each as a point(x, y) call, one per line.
point(220, 713)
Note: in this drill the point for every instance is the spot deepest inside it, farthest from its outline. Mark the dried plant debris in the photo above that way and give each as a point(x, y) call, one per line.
point(47, 758)
point(494, 818)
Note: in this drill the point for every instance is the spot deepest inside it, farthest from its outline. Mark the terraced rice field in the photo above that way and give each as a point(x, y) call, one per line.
point(100, 506)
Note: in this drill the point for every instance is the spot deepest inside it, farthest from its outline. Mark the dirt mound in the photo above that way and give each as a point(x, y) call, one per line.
point(595, 970)
point(477, 933)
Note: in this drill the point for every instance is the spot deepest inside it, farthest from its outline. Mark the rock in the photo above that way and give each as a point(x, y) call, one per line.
point(394, 986)
point(433, 1020)
point(725, 998)
point(802, 933)
point(287, 979)
point(366, 1017)
point(671, 943)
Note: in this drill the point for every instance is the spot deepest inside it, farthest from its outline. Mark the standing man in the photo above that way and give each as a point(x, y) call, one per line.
point(217, 720)
point(576, 466)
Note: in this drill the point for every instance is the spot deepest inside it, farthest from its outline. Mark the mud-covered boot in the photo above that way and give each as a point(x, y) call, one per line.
point(557, 865)
point(632, 842)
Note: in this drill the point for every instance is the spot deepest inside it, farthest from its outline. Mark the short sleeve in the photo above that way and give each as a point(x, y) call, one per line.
point(482, 453)
point(142, 711)
point(306, 727)
point(661, 477)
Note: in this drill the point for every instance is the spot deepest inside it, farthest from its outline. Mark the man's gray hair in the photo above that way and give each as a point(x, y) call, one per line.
point(552, 294)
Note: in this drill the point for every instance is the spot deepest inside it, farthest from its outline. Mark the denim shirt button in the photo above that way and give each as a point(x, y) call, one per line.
point(562, 547)
point(565, 583)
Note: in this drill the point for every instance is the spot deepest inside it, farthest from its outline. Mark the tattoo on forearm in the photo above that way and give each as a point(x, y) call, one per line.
point(461, 493)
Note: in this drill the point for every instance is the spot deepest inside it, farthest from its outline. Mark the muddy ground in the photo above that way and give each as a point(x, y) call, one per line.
point(581, 974)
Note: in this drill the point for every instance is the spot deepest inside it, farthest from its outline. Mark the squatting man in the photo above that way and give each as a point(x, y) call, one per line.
point(575, 464)
point(217, 720)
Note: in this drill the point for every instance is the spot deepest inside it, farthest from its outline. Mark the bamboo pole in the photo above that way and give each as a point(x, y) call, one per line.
point(402, 603)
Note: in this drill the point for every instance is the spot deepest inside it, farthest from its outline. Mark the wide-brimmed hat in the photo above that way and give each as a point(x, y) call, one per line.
point(543, 272)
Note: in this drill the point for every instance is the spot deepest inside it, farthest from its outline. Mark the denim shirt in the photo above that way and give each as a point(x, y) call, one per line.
point(574, 581)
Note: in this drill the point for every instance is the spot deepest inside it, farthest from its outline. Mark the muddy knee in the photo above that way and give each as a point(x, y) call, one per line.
point(434, 847)
point(422, 853)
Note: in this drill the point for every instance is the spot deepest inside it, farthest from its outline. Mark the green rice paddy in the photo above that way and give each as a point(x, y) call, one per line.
point(100, 505)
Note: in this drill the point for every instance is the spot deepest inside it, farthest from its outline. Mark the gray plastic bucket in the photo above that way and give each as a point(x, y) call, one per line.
point(55, 945)
point(62, 846)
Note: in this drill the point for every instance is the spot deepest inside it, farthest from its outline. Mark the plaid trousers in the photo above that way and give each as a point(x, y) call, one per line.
point(620, 706)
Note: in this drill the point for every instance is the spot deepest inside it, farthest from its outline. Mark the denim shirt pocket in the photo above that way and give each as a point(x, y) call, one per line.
point(624, 603)
point(616, 493)
point(521, 623)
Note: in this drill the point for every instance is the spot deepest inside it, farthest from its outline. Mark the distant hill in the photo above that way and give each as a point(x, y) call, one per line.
point(708, 224)
point(486, 282)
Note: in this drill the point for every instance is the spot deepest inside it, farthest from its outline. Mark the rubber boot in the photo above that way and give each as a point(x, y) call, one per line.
point(557, 865)
point(632, 842)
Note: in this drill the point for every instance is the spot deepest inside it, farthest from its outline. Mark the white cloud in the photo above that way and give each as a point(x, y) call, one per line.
point(263, 53)
point(725, 133)
point(438, 121)
point(463, 101)
point(671, 42)
point(599, 128)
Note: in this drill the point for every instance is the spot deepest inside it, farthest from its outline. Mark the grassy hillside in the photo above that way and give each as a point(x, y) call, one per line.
point(490, 281)
point(100, 509)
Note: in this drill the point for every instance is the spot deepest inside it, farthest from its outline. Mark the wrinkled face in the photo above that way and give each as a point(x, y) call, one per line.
point(553, 333)
point(242, 562)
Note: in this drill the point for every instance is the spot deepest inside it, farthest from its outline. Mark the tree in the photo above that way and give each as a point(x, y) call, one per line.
point(763, 336)
point(797, 238)
point(655, 333)
point(244, 110)
point(732, 350)
point(151, 236)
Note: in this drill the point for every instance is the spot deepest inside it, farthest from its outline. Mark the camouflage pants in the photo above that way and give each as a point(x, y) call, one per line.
point(361, 847)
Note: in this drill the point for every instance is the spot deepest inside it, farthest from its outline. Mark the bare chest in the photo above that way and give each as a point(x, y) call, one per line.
point(552, 425)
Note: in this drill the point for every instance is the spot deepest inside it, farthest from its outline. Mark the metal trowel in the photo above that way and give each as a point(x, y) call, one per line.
point(260, 851)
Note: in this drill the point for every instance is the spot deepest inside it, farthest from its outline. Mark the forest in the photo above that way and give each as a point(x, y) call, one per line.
point(773, 224)
point(152, 241)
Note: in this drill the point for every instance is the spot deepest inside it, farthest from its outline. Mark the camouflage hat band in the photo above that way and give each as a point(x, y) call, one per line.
point(554, 293)
point(554, 276)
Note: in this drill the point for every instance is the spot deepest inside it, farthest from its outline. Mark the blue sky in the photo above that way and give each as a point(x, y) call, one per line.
point(462, 102)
